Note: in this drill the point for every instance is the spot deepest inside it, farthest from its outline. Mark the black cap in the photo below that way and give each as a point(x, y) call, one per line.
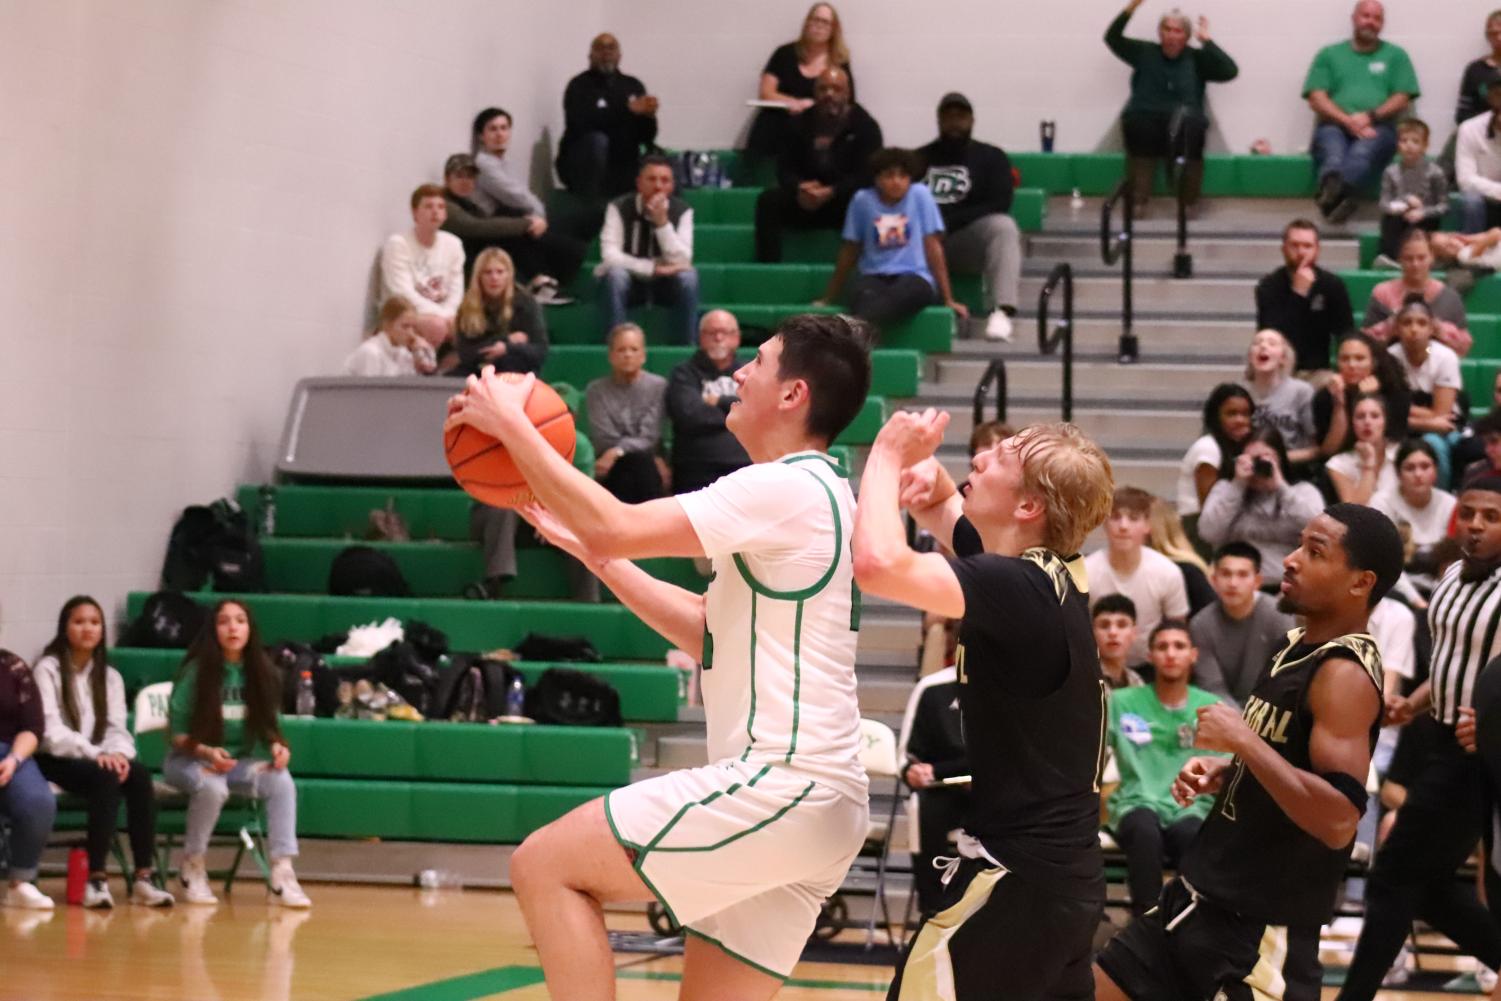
point(954, 99)
point(459, 163)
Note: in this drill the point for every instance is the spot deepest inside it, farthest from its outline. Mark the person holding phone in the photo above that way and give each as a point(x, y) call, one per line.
point(1256, 504)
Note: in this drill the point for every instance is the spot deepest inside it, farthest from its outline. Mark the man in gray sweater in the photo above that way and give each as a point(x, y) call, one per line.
point(625, 421)
point(1236, 635)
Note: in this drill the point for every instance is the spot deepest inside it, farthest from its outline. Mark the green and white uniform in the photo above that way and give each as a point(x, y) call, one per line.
point(744, 851)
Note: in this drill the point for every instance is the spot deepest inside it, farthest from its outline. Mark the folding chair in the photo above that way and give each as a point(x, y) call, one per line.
point(879, 758)
point(151, 715)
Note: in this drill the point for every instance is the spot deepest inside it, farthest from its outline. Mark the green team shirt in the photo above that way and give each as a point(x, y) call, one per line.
point(1361, 81)
point(232, 697)
point(1151, 744)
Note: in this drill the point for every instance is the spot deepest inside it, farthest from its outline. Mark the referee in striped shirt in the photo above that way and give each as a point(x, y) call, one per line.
point(1442, 817)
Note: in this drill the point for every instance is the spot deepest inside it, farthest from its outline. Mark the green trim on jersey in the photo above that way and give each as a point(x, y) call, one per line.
point(822, 582)
point(750, 721)
point(733, 954)
point(828, 460)
point(797, 679)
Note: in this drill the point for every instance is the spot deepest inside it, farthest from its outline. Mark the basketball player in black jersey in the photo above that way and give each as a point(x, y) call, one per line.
point(1023, 899)
point(1242, 919)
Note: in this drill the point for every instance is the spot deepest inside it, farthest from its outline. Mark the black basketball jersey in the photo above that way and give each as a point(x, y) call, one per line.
point(1249, 855)
point(1032, 700)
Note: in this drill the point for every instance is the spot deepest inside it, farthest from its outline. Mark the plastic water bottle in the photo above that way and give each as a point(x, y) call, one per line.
point(516, 698)
point(1077, 201)
point(307, 702)
point(268, 510)
point(439, 879)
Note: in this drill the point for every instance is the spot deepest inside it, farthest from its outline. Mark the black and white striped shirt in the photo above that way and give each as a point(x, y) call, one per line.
point(1465, 618)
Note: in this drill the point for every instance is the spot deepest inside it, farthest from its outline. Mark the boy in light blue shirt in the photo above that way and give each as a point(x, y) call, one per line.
point(895, 232)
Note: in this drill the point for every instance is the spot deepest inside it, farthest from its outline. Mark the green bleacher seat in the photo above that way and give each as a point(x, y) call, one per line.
point(1484, 298)
point(649, 693)
point(471, 625)
point(1486, 329)
point(894, 371)
point(1479, 376)
point(1225, 174)
point(443, 569)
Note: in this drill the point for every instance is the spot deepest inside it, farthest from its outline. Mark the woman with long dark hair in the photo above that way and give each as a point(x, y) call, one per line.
point(1227, 425)
point(1362, 367)
point(225, 736)
point(88, 750)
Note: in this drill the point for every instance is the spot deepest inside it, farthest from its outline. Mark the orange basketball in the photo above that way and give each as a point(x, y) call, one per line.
point(484, 468)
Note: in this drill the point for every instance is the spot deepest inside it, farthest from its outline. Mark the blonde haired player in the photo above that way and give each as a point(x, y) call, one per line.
point(1024, 897)
point(741, 852)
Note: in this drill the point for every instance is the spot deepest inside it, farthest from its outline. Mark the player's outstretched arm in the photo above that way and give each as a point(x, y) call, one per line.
point(675, 613)
point(606, 526)
point(884, 564)
point(1328, 800)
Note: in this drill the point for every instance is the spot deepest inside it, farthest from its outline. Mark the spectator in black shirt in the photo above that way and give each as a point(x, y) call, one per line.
point(1479, 75)
point(972, 183)
point(1306, 304)
point(934, 752)
point(824, 160)
point(789, 74)
point(700, 393)
point(607, 117)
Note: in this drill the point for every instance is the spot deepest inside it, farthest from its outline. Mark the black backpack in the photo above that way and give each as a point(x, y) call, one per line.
point(574, 698)
point(294, 658)
point(401, 668)
point(214, 542)
point(540, 646)
point(168, 620)
point(366, 572)
point(473, 689)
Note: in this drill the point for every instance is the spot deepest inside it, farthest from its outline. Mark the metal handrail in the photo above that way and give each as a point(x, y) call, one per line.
point(1117, 246)
point(1183, 261)
point(995, 374)
point(1048, 340)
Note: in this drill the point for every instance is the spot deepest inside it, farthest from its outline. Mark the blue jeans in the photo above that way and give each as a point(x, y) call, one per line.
point(208, 791)
point(1357, 161)
point(618, 289)
point(1477, 213)
point(28, 803)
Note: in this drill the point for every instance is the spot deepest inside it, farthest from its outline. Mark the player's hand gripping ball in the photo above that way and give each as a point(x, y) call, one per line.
point(480, 463)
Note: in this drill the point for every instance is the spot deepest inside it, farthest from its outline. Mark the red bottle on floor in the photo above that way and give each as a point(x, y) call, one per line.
point(78, 875)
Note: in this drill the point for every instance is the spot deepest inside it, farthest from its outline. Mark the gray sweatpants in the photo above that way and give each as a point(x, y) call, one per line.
point(207, 793)
point(991, 247)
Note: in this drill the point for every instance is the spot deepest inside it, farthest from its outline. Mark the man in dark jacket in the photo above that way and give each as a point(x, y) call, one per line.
point(935, 752)
point(607, 117)
point(825, 159)
point(700, 393)
point(972, 183)
point(1310, 306)
point(552, 254)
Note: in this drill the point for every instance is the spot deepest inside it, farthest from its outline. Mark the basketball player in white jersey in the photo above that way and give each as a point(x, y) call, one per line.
point(742, 852)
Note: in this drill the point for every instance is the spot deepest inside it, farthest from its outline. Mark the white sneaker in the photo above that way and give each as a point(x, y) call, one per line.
point(27, 897)
point(194, 878)
point(96, 895)
point(998, 326)
point(284, 890)
point(143, 893)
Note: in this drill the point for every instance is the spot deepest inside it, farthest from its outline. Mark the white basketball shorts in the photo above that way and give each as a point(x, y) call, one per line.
point(741, 854)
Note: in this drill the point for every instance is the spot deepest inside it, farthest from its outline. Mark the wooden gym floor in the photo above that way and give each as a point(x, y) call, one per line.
point(358, 942)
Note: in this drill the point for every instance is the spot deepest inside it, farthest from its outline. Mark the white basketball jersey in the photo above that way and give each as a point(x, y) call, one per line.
point(782, 619)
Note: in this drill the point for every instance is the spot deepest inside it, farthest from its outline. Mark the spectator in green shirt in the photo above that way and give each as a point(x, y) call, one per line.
point(1358, 89)
point(225, 737)
point(1165, 115)
point(1151, 734)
